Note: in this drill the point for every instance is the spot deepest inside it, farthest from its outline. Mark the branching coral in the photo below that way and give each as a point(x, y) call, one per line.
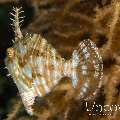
point(66, 23)
point(12, 115)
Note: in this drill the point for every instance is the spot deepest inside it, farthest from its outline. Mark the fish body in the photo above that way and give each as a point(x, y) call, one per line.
point(37, 68)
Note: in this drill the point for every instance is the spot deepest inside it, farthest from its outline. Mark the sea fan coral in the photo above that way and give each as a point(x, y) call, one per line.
point(64, 24)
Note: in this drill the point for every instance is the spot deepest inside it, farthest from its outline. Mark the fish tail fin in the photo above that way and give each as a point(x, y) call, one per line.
point(87, 67)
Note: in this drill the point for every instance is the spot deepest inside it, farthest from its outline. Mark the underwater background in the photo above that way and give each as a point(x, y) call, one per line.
point(64, 23)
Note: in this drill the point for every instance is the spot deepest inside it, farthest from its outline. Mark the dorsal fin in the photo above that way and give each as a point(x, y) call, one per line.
point(16, 22)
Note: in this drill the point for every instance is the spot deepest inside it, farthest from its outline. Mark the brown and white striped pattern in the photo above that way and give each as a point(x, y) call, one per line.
point(37, 68)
